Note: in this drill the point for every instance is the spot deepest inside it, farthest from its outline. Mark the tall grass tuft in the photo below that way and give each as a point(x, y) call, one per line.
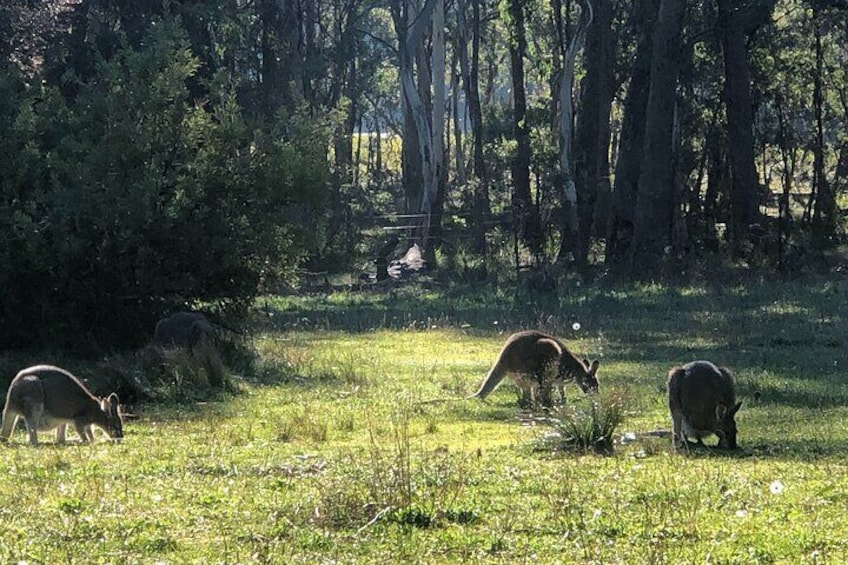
point(179, 375)
point(588, 428)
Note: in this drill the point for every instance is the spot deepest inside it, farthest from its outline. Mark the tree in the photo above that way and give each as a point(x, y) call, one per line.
point(421, 177)
point(592, 166)
point(525, 214)
point(129, 200)
point(655, 202)
point(735, 24)
point(470, 70)
point(824, 213)
point(570, 242)
point(631, 141)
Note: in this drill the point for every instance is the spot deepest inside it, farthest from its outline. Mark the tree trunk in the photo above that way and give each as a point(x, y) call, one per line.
point(744, 201)
point(470, 69)
point(282, 56)
point(526, 217)
point(437, 181)
point(457, 120)
point(570, 242)
point(632, 137)
point(824, 213)
point(654, 213)
point(417, 168)
point(591, 156)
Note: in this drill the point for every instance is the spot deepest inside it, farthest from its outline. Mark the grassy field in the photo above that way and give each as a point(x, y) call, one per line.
point(353, 443)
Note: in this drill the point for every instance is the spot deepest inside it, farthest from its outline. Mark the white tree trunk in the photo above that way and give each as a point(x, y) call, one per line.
point(437, 163)
point(566, 122)
point(416, 26)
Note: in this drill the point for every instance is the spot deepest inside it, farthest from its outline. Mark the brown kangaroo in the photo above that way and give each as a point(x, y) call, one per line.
point(702, 401)
point(49, 398)
point(530, 357)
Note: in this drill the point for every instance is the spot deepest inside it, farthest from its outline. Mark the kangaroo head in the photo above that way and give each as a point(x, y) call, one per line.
point(588, 379)
point(726, 425)
point(114, 424)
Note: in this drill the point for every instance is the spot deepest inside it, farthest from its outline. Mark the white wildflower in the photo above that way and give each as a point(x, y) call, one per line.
point(776, 487)
point(576, 326)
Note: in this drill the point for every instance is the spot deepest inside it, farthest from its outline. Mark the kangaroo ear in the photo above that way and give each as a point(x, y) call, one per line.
point(721, 411)
point(593, 367)
point(586, 362)
point(735, 408)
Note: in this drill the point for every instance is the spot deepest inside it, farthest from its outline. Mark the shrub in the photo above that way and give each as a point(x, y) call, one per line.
point(590, 428)
point(129, 200)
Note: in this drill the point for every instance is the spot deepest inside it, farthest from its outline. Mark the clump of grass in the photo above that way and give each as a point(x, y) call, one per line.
point(305, 425)
point(178, 374)
point(589, 428)
point(398, 483)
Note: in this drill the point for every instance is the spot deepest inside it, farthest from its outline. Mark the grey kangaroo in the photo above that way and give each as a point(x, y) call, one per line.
point(536, 362)
point(183, 329)
point(702, 401)
point(49, 398)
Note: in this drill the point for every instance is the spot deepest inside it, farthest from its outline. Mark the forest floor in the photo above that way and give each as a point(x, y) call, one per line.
point(353, 441)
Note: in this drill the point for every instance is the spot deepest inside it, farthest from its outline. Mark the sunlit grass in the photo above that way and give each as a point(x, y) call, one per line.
point(354, 442)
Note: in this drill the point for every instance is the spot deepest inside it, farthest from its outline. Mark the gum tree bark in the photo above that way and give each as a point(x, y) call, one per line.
point(654, 213)
point(570, 242)
point(526, 216)
point(744, 203)
point(591, 157)
point(623, 198)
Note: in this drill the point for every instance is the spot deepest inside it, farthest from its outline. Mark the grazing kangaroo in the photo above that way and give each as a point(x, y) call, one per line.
point(702, 401)
point(183, 329)
point(530, 357)
point(50, 398)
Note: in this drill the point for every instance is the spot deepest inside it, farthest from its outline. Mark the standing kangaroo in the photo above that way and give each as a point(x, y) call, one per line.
point(530, 357)
point(702, 401)
point(50, 398)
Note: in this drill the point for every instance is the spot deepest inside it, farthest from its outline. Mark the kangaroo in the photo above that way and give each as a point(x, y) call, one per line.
point(702, 401)
point(183, 329)
point(50, 398)
point(530, 357)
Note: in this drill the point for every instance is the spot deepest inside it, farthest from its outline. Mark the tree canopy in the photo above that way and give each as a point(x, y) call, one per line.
point(161, 155)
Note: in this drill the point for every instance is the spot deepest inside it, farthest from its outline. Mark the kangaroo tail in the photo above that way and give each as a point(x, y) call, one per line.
point(493, 379)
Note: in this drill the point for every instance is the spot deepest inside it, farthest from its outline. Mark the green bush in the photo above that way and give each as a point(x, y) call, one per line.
point(132, 200)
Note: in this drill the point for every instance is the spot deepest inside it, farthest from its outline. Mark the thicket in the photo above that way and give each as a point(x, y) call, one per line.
point(122, 197)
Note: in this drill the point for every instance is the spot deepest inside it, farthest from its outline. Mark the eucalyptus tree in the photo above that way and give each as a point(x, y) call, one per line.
point(656, 205)
point(592, 147)
point(735, 25)
point(469, 63)
point(571, 228)
point(423, 174)
point(640, 20)
point(525, 215)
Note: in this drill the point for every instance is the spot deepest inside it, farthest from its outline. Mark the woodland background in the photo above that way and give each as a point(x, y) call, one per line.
point(162, 155)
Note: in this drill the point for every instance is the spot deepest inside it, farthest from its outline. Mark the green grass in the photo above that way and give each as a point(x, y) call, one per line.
point(353, 442)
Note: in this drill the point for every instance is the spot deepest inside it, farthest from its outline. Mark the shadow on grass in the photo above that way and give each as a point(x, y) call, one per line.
point(792, 450)
point(793, 396)
point(743, 313)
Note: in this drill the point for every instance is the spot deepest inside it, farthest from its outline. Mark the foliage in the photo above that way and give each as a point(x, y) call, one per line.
point(130, 200)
